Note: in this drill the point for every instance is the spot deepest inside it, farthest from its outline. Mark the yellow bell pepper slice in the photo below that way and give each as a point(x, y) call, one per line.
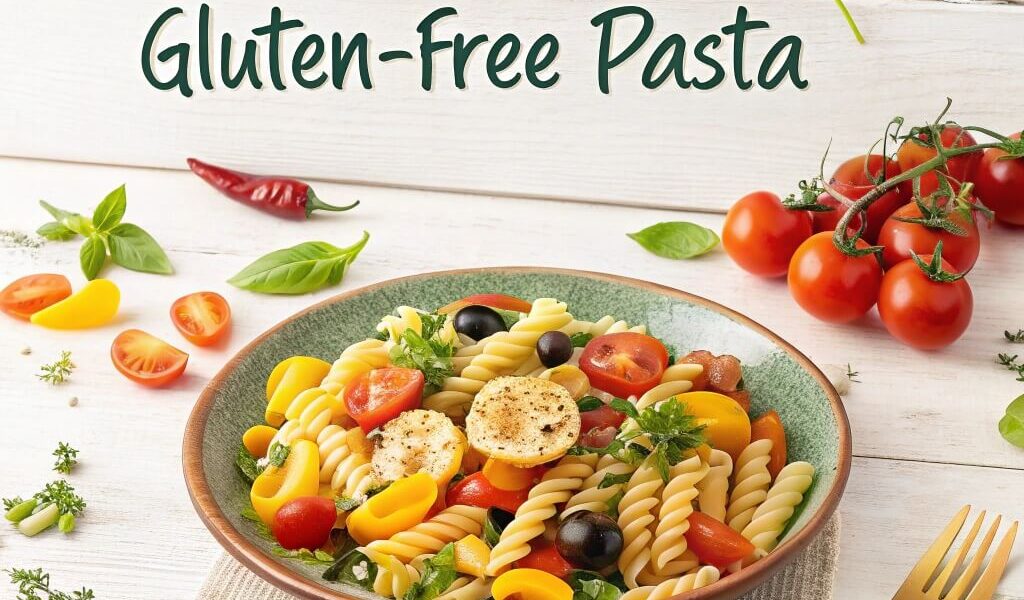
point(727, 424)
point(404, 504)
point(257, 439)
point(298, 477)
point(530, 584)
point(92, 306)
point(289, 378)
point(471, 556)
point(508, 477)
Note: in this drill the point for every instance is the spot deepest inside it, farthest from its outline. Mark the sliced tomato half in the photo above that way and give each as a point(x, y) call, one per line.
point(146, 359)
point(203, 317)
point(378, 396)
point(624, 364)
point(714, 542)
point(32, 293)
point(492, 300)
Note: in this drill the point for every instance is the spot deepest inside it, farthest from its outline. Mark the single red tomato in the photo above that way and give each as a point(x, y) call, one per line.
point(598, 437)
point(714, 542)
point(500, 301)
point(304, 523)
point(760, 234)
point(999, 183)
point(851, 180)
point(624, 364)
point(545, 557)
point(475, 490)
point(916, 151)
point(146, 359)
point(605, 416)
point(899, 238)
point(377, 396)
point(203, 317)
point(32, 293)
point(830, 285)
point(922, 312)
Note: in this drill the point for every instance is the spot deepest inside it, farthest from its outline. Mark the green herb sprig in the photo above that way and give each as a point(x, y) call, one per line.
point(67, 458)
point(438, 575)
point(431, 356)
point(128, 245)
point(300, 269)
point(34, 584)
point(58, 371)
point(1011, 363)
point(1014, 338)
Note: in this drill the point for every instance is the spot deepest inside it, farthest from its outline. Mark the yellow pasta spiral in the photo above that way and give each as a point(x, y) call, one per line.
point(676, 507)
point(556, 487)
point(703, 577)
point(354, 361)
point(343, 462)
point(636, 514)
point(394, 577)
point(713, 498)
point(751, 482)
point(677, 379)
point(591, 497)
point(449, 525)
point(774, 513)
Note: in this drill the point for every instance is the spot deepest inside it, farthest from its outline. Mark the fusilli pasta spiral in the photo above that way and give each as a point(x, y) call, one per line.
point(703, 577)
point(676, 507)
point(774, 513)
point(344, 464)
point(591, 497)
point(751, 482)
point(713, 498)
point(354, 361)
point(636, 514)
point(449, 525)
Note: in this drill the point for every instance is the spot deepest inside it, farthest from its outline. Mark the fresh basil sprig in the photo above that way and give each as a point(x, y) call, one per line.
point(129, 245)
point(300, 269)
point(676, 239)
point(438, 575)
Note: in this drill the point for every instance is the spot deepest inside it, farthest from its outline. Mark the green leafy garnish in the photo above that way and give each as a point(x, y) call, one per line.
point(578, 580)
point(613, 503)
point(1015, 338)
point(261, 528)
point(346, 504)
point(247, 465)
point(432, 357)
point(58, 371)
point(128, 245)
point(589, 403)
point(300, 269)
point(1012, 424)
point(595, 589)
point(431, 325)
point(676, 239)
point(315, 557)
point(67, 457)
point(353, 568)
point(580, 339)
point(277, 454)
point(611, 479)
point(34, 584)
point(492, 528)
point(61, 493)
point(438, 575)
point(1010, 362)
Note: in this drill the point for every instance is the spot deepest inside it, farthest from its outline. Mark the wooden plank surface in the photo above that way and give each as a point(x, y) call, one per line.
point(79, 100)
point(923, 424)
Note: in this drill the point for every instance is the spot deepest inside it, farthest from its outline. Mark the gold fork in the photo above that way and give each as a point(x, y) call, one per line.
point(926, 582)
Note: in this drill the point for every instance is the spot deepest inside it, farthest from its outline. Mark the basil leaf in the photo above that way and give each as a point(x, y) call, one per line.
point(79, 224)
point(247, 465)
point(510, 317)
point(92, 255)
point(108, 214)
point(495, 522)
point(438, 575)
point(1012, 424)
point(589, 403)
point(278, 454)
point(300, 269)
point(595, 589)
point(611, 479)
point(580, 339)
point(353, 568)
point(54, 231)
point(57, 213)
point(319, 557)
point(624, 406)
point(676, 239)
point(134, 249)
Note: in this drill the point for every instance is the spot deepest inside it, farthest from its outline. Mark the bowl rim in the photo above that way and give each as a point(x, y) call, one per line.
point(254, 559)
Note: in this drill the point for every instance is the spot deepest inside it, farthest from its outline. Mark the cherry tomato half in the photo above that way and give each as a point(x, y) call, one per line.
point(146, 359)
point(32, 293)
point(923, 313)
point(304, 523)
point(624, 364)
point(492, 300)
point(599, 418)
point(475, 490)
point(830, 285)
point(714, 542)
point(916, 151)
point(999, 183)
point(545, 557)
point(377, 396)
point(760, 234)
point(203, 317)
point(851, 180)
point(769, 427)
point(899, 238)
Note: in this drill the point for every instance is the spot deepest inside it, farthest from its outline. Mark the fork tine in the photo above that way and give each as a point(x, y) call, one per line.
point(925, 568)
point(967, 578)
point(986, 587)
point(937, 587)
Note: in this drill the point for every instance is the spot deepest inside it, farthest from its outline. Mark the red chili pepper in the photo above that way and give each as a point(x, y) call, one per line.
point(280, 196)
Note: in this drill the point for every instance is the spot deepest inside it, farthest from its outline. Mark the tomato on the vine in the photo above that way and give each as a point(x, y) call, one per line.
point(918, 150)
point(377, 396)
point(624, 364)
point(922, 312)
point(999, 183)
point(760, 234)
point(900, 238)
point(830, 284)
point(852, 181)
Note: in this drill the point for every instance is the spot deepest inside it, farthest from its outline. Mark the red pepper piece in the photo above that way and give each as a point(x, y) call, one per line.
point(280, 196)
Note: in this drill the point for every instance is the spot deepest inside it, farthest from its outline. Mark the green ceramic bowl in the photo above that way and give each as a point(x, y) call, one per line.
point(778, 375)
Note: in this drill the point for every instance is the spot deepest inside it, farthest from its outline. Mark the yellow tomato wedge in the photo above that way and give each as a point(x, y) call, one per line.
point(471, 556)
point(289, 378)
point(403, 505)
point(257, 439)
point(530, 584)
point(92, 306)
point(727, 424)
point(298, 477)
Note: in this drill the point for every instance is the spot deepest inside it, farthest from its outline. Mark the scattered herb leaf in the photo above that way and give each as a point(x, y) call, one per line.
point(676, 239)
point(277, 454)
point(1010, 362)
point(132, 248)
point(300, 269)
point(1015, 338)
point(611, 479)
point(34, 584)
point(1012, 424)
point(851, 374)
point(67, 458)
point(353, 568)
point(438, 575)
point(580, 339)
point(589, 403)
point(58, 371)
point(316, 557)
point(432, 357)
point(247, 465)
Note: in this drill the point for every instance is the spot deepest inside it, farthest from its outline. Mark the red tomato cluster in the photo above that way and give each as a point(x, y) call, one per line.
point(922, 307)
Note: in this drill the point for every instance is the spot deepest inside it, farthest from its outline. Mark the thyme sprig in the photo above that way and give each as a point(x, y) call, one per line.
point(1014, 338)
point(34, 584)
point(58, 371)
point(67, 458)
point(1011, 363)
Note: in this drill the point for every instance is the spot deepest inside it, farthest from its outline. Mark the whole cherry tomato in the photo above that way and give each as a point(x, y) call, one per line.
point(851, 180)
point(714, 542)
point(760, 234)
point(377, 396)
point(922, 312)
point(624, 364)
point(831, 285)
point(203, 317)
point(304, 523)
point(146, 359)
point(899, 238)
point(545, 557)
point(475, 490)
point(999, 183)
point(916, 151)
point(32, 293)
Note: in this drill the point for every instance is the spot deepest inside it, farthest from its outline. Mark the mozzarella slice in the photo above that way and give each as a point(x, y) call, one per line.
point(418, 441)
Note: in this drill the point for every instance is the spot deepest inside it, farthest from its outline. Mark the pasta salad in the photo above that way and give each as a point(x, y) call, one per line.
point(502, 448)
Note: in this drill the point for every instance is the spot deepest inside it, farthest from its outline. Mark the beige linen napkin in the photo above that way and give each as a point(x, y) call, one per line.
point(809, 577)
